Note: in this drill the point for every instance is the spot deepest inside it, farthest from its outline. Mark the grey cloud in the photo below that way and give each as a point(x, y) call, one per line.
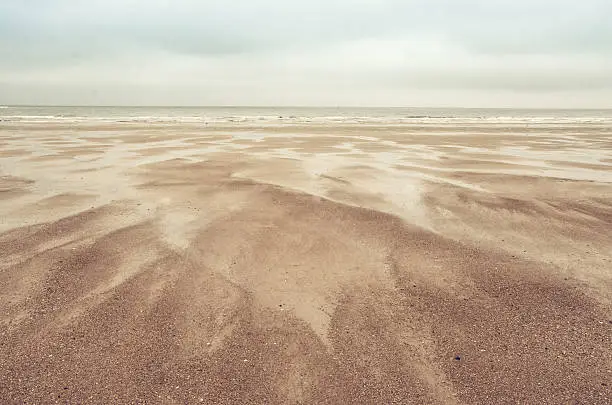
point(239, 26)
point(313, 44)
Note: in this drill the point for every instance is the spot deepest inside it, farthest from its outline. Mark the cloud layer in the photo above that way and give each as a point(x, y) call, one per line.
point(538, 53)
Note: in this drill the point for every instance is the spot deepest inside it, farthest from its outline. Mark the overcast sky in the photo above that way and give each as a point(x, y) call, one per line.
point(522, 53)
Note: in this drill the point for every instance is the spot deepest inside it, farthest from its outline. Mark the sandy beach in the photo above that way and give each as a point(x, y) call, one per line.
point(423, 263)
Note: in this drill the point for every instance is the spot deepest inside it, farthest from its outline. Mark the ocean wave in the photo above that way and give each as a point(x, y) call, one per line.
point(272, 120)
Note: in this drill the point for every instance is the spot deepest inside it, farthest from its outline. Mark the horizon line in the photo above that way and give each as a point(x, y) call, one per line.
point(295, 106)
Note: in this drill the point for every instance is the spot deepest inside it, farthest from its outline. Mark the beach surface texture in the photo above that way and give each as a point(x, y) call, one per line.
point(296, 257)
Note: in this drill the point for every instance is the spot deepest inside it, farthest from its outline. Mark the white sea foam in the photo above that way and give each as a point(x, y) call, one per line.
point(304, 116)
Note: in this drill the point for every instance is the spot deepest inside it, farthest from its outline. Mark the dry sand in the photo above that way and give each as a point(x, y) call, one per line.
point(350, 264)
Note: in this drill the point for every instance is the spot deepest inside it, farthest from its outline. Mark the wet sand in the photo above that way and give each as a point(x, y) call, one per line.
point(314, 264)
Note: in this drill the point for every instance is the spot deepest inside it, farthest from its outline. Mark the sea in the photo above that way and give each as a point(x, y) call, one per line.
point(301, 115)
